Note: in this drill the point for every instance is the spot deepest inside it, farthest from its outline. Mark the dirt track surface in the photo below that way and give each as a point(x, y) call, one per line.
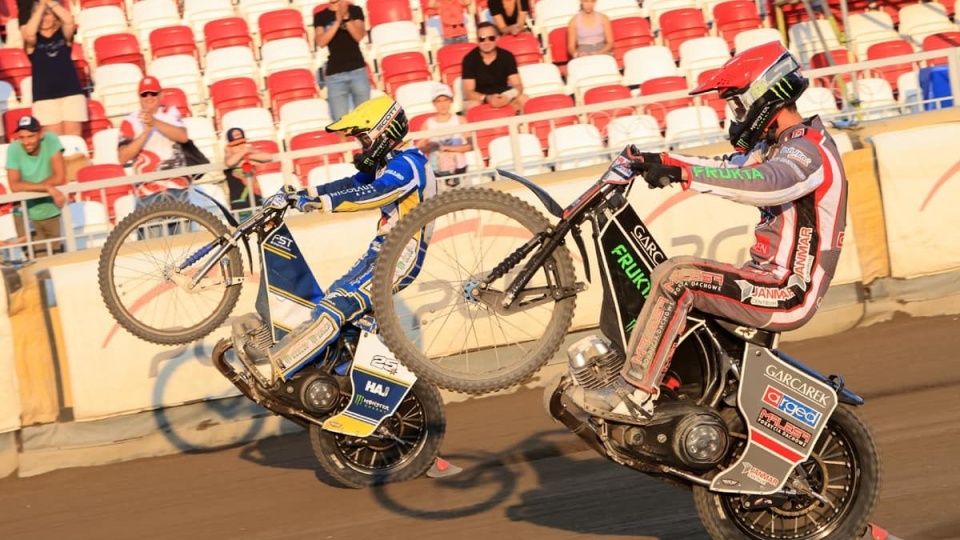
point(524, 478)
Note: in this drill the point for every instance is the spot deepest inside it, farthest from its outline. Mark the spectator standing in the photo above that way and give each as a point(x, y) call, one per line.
point(59, 103)
point(35, 164)
point(240, 160)
point(447, 153)
point(339, 27)
point(490, 73)
point(510, 16)
point(589, 32)
point(451, 12)
point(152, 137)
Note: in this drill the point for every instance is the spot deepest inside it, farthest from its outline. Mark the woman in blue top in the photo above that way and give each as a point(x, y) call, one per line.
point(58, 99)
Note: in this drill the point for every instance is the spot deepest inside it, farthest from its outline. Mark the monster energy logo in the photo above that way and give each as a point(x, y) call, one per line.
point(779, 90)
point(727, 173)
point(358, 399)
point(361, 401)
point(632, 269)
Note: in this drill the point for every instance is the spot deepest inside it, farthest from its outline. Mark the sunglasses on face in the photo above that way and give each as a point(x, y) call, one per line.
point(481, 39)
point(149, 94)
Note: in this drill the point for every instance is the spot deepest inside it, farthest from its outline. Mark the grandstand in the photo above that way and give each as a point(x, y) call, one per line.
point(252, 64)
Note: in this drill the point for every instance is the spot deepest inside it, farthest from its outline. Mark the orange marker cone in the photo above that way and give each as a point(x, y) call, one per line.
point(442, 468)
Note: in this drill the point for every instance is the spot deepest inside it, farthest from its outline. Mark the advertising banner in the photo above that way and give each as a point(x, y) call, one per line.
point(920, 180)
point(9, 392)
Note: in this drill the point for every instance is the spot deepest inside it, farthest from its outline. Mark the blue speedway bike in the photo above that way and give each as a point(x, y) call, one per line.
point(769, 448)
point(171, 273)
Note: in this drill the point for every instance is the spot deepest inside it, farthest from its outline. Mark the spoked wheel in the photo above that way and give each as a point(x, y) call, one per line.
point(142, 283)
point(444, 326)
point(403, 447)
point(844, 469)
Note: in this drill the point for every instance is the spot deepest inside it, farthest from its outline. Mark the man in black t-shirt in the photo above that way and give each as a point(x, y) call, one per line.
point(490, 73)
point(340, 28)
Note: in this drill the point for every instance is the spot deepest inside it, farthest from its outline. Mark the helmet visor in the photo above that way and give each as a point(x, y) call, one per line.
point(742, 103)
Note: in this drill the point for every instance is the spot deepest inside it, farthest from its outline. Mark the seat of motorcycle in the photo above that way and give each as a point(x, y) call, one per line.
point(763, 338)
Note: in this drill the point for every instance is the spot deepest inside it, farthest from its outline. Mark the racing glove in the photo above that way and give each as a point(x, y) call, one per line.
point(657, 175)
point(646, 157)
point(302, 201)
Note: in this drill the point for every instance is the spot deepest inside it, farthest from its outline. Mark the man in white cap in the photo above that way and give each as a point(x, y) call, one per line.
point(152, 137)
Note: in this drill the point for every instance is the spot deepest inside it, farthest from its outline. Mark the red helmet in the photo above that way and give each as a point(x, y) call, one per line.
point(756, 83)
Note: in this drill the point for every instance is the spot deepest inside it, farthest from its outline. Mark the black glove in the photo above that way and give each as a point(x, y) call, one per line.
point(646, 157)
point(657, 175)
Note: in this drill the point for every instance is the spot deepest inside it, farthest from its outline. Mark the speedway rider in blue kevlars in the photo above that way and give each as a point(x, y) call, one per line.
point(395, 181)
point(789, 168)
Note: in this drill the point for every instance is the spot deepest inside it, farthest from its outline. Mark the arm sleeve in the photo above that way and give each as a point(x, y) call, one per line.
point(468, 68)
point(795, 169)
point(356, 12)
point(355, 193)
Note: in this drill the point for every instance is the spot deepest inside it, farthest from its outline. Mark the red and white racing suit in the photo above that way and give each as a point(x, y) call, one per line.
point(801, 190)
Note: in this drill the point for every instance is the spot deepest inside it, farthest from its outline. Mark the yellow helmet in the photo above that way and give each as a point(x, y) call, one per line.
point(380, 125)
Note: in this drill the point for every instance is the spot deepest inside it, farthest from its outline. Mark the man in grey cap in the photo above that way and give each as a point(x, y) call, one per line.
point(35, 164)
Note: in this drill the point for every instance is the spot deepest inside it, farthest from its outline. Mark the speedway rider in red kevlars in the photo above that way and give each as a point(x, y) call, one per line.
point(788, 167)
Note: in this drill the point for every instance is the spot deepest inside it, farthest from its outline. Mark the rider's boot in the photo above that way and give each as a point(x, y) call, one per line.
point(876, 533)
point(618, 401)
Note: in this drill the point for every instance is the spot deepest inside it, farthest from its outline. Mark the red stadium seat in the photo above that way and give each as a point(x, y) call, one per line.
point(418, 121)
point(383, 11)
point(450, 60)
point(734, 16)
point(232, 94)
point(118, 49)
point(171, 40)
point(524, 46)
point(630, 33)
point(282, 23)
point(402, 68)
point(175, 97)
point(290, 85)
point(481, 113)
point(14, 67)
point(551, 102)
point(313, 139)
point(888, 49)
point(107, 196)
point(97, 121)
point(840, 58)
point(660, 85)
point(122, 4)
point(940, 40)
point(599, 94)
point(81, 64)
point(227, 32)
point(269, 147)
point(679, 25)
point(10, 119)
point(559, 54)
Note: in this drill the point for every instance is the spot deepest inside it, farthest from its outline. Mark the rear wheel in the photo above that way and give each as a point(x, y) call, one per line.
point(844, 468)
point(141, 281)
point(403, 447)
point(444, 327)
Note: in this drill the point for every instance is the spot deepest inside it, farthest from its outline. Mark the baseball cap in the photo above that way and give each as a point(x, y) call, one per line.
point(149, 84)
point(442, 90)
point(235, 134)
point(28, 123)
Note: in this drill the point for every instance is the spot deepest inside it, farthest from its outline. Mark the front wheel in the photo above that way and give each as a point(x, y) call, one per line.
point(844, 468)
point(403, 447)
point(141, 281)
point(445, 326)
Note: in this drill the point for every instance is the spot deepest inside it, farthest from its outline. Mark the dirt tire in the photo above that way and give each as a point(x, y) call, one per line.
point(340, 455)
point(491, 350)
point(849, 441)
point(133, 283)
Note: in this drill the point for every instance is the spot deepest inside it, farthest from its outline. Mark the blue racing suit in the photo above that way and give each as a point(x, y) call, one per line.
point(396, 189)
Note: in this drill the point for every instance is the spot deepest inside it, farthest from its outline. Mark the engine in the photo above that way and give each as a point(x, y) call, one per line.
point(681, 433)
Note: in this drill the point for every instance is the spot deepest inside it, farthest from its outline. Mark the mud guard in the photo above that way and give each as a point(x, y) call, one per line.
point(380, 382)
point(786, 410)
point(549, 202)
point(232, 221)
